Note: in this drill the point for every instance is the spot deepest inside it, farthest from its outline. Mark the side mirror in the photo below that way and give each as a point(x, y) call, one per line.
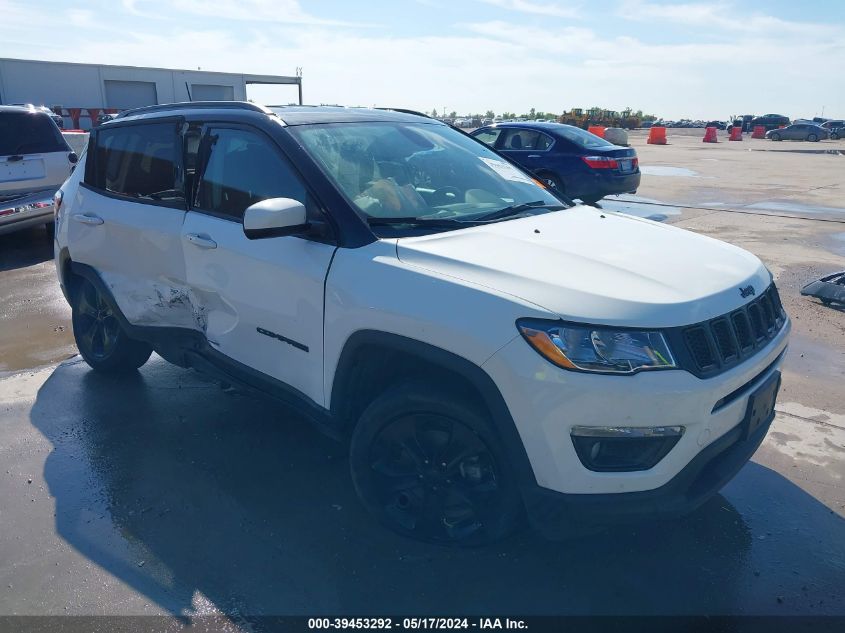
point(274, 217)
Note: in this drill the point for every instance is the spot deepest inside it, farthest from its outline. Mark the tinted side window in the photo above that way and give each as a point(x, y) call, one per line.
point(488, 136)
point(519, 139)
point(138, 161)
point(544, 142)
point(243, 169)
point(29, 133)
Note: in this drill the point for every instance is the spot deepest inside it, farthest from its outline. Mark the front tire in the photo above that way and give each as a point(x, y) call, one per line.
point(99, 336)
point(775, 136)
point(426, 464)
point(812, 138)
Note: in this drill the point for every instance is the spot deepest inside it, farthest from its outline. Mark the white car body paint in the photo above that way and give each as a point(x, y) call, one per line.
point(137, 251)
point(597, 267)
point(272, 285)
point(460, 291)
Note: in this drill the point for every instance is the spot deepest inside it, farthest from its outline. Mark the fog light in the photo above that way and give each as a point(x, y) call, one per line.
point(620, 448)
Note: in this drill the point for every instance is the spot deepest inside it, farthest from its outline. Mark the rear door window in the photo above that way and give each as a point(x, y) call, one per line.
point(242, 169)
point(29, 133)
point(518, 139)
point(139, 161)
point(544, 142)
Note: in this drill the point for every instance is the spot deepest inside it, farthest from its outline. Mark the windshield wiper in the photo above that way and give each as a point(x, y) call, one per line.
point(517, 209)
point(438, 223)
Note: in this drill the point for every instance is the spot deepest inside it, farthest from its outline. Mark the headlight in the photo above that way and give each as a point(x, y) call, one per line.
point(597, 348)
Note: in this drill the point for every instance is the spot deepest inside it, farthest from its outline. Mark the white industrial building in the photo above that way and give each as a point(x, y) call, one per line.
point(80, 92)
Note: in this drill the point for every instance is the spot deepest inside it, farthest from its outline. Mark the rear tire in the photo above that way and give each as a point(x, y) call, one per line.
point(427, 465)
point(775, 136)
point(551, 181)
point(99, 336)
point(812, 138)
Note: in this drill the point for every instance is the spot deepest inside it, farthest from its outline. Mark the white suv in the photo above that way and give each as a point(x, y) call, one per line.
point(35, 160)
point(488, 349)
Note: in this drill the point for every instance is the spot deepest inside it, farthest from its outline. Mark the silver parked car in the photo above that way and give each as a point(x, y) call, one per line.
point(798, 132)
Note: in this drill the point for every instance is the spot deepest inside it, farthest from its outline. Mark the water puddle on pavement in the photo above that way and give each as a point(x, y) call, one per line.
point(792, 207)
point(647, 208)
point(663, 170)
point(832, 152)
point(838, 244)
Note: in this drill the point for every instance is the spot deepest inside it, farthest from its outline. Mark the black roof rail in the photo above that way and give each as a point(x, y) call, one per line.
point(406, 111)
point(191, 105)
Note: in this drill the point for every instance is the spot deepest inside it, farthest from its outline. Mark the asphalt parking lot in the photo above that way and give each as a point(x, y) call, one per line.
point(161, 493)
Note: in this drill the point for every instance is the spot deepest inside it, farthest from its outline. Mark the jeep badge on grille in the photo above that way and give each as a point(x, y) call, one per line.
point(748, 291)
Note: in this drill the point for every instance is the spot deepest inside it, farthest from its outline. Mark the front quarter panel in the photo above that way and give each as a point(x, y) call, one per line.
point(369, 288)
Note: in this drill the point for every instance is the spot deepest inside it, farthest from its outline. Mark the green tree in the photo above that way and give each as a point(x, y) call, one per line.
point(490, 114)
point(434, 112)
point(453, 114)
point(532, 113)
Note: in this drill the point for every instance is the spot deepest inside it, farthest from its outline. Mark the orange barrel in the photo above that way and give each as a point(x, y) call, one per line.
point(759, 132)
point(657, 136)
point(710, 135)
point(598, 130)
point(736, 133)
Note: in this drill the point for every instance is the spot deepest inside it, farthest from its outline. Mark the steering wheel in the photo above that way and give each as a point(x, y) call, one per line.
point(441, 196)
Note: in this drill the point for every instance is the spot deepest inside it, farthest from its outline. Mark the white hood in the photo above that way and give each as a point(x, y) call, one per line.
point(597, 267)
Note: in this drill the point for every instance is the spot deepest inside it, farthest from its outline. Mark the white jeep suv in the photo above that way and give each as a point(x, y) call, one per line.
point(488, 350)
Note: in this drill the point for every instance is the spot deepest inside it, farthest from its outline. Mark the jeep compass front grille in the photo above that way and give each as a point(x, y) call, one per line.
point(716, 345)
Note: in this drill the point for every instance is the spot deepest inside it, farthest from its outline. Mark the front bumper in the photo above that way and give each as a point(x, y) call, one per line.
point(554, 514)
point(546, 402)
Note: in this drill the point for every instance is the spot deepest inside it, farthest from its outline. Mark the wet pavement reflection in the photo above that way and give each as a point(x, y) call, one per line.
point(177, 487)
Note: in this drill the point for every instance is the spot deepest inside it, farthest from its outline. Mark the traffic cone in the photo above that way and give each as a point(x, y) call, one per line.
point(759, 132)
point(736, 133)
point(657, 136)
point(710, 135)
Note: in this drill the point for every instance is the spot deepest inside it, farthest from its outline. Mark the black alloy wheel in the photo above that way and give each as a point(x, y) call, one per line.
point(98, 327)
point(426, 464)
point(99, 334)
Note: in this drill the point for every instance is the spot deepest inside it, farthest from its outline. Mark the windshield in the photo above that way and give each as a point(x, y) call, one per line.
point(29, 133)
point(419, 171)
point(580, 137)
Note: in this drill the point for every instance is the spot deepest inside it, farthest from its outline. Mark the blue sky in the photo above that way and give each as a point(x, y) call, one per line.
point(696, 58)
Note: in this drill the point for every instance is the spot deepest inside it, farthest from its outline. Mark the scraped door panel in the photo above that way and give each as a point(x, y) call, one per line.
point(262, 300)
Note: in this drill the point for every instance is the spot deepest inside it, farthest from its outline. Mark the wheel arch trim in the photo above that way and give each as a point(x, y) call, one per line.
point(503, 423)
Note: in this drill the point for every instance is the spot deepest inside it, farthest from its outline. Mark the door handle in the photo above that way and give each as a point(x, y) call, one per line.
point(533, 156)
point(200, 241)
point(93, 220)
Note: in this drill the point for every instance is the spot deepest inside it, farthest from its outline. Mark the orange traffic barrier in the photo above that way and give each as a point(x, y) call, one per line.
point(598, 130)
point(710, 135)
point(736, 133)
point(759, 132)
point(657, 136)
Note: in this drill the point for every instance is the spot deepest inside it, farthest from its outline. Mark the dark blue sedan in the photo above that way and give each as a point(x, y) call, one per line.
point(569, 159)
